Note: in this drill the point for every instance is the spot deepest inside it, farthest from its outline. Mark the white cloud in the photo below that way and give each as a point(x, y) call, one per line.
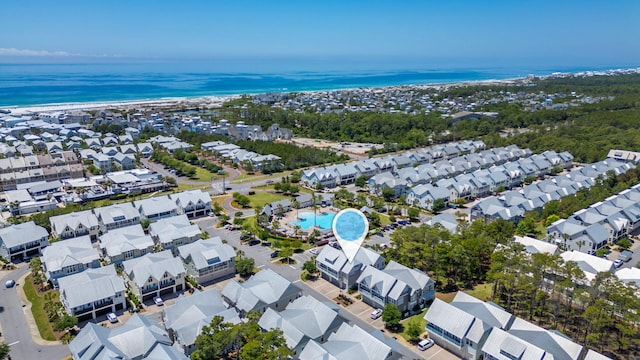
point(28, 52)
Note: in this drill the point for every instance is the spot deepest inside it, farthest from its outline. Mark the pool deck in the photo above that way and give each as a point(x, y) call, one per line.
point(291, 216)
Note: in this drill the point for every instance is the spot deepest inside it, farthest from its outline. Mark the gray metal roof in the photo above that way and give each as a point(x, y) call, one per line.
point(16, 235)
point(118, 212)
point(154, 266)
point(562, 348)
point(266, 286)
point(72, 220)
point(90, 285)
point(449, 318)
point(348, 342)
point(172, 228)
point(155, 205)
point(503, 346)
point(69, 252)
point(204, 253)
point(118, 241)
point(487, 312)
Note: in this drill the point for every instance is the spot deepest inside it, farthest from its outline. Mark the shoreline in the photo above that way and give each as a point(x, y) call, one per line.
point(218, 100)
point(215, 101)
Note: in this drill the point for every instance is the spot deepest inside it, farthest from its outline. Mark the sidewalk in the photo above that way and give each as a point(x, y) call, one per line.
point(28, 316)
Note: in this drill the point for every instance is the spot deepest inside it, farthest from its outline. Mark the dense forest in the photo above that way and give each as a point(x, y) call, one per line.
point(588, 131)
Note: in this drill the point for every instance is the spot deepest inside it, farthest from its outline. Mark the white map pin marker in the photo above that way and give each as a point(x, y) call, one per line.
point(350, 227)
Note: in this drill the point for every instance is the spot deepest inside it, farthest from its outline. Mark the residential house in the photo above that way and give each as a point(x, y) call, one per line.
point(194, 203)
point(75, 224)
point(145, 149)
point(185, 319)
point(303, 319)
point(154, 274)
point(68, 257)
point(553, 342)
point(139, 338)
point(447, 220)
point(125, 243)
point(265, 289)
point(535, 246)
point(352, 342)
point(500, 345)
point(156, 208)
point(589, 264)
point(93, 292)
point(21, 241)
point(208, 260)
point(117, 216)
point(172, 232)
point(463, 325)
point(336, 268)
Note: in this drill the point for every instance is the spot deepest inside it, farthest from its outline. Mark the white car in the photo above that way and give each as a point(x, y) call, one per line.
point(425, 344)
point(158, 301)
point(617, 263)
point(10, 283)
point(314, 251)
point(112, 317)
point(376, 314)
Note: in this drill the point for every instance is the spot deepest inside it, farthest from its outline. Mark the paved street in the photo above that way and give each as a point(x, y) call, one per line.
point(15, 329)
point(292, 273)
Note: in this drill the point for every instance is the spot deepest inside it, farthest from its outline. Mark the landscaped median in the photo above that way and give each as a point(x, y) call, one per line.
point(37, 309)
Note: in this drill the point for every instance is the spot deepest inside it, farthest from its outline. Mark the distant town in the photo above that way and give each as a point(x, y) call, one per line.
point(131, 230)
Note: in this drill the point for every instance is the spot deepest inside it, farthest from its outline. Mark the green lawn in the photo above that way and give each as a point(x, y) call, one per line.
point(245, 176)
point(261, 198)
point(37, 309)
point(420, 317)
point(384, 219)
point(481, 291)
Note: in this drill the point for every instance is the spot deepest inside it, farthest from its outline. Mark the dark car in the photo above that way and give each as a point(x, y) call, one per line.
point(275, 254)
point(246, 237)
point(266, 243)
point(253, 242)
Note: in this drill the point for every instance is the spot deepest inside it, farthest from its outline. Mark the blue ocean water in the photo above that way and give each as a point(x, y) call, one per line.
point(55, 83)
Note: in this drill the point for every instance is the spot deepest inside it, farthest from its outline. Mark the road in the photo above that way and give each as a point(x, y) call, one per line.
point(15, 328)
point(291, 272)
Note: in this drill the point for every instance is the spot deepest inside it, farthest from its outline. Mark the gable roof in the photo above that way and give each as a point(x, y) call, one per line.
point(501, 345)
point(72, 220)
point(204, 253)
point(155, 205)
point(561, 347)
point(19, 234)
point(172, 228)
point(90, 285)
point(266, 286)
point(348, 342)
point(190, 197)
point(69, 252)
point(488, 312)
point(118, 241)
point(152, 265)
point(117, 212)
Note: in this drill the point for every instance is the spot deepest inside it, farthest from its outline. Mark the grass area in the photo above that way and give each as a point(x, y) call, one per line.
point(446, 297)
point(244, 176)
point(261, 198)
point(481, 291)
point(384, 219)
point(420, 318)
point(183, 187)
point(37, 309)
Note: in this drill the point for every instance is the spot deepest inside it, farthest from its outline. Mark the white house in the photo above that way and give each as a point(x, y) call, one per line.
point(172, 232)
point(154, 274)
point(194, 203)
point(75, 224)
point(22, 240)
point(69, 257)
point(208, 260)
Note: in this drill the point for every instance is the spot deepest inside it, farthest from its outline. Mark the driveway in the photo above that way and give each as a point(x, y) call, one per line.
point(15, 328)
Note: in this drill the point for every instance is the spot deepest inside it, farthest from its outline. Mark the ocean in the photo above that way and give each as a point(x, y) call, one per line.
point(60, 83)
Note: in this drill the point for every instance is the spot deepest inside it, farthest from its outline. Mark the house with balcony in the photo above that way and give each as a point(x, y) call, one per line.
point(336, 268)
point(303, 320)
point(409, 289)
point(75, 224)
point(503, 346)
point(154, 274)
point(125, 243)
point(68, 257)
point(463, 326)
point(117, 216)
point(156, 208)
point(92, 293)
point(141, 337)
point(172, 232)
point(194, 203)
point(265, 289)
point(352, 342)
point(185, 319)
point(208, 260)
point(21, 241)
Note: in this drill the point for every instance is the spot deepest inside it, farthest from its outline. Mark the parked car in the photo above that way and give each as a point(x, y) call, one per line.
point(625, 255)
point(275, 254)
point(245, 237)
point(158, 301)
point(10, 283)
point(425, 344)
point(376, 314)
point(112, 317)
point(314, 251)
point(253, 242)
point(322, 242)
point(617, 263)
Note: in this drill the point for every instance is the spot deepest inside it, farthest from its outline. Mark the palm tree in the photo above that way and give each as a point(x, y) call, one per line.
point(314, 205)
point(296, 204)
point(580, 243)
point(565, 237)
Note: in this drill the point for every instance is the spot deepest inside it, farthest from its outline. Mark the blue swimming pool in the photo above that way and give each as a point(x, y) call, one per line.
point(322, 220)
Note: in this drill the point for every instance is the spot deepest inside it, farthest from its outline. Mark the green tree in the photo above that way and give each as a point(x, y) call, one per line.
point(4, 350)
point(310, 266)
point(65, 321)
point(414, 330)
point(624, 243)
point(391, 316)
point(551, 219)
point(145, 223)
point(215, 340)
point(413, 213)
point(387, 193)
point(244, 266)
point(438, 204)
point(361, 181)
point(286, 253)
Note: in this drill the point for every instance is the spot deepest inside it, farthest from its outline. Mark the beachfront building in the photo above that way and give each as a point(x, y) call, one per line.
point(21, 241)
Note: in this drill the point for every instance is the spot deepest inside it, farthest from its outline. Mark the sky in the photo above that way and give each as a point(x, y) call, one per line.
point(492, 32)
